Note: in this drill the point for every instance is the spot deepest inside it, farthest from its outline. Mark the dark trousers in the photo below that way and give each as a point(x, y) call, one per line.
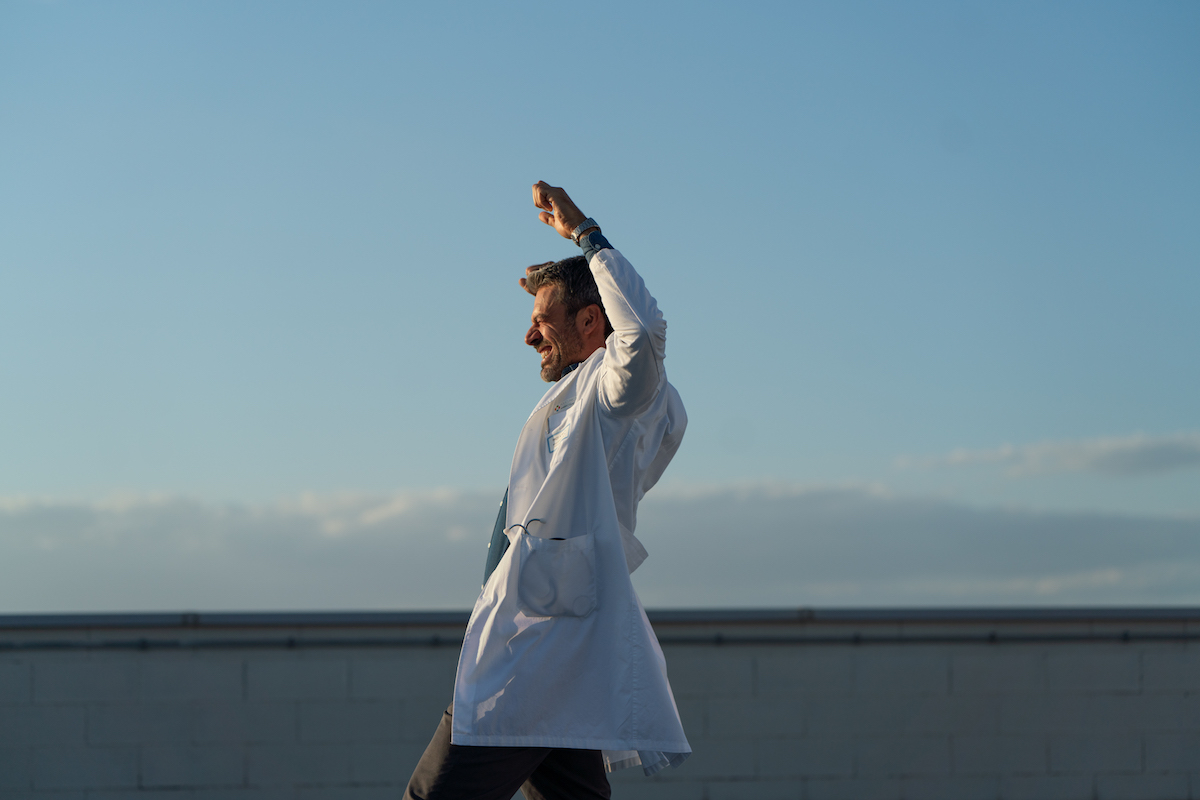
point(455, 772)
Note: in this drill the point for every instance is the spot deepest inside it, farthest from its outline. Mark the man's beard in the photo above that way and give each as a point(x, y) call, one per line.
point(562, 352)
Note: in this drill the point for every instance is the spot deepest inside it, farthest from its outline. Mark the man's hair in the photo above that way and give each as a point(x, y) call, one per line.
point(575, 285)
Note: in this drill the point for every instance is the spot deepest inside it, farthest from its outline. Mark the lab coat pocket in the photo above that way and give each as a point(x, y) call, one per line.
point(557, 577)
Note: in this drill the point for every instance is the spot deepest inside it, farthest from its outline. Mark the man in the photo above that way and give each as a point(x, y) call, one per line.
point(561, 678)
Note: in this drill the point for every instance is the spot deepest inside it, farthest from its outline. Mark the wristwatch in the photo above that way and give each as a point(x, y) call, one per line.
point(583, 226)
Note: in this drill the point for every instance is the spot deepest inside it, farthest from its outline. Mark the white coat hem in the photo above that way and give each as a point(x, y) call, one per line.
point(650, 762)
point(569, 743)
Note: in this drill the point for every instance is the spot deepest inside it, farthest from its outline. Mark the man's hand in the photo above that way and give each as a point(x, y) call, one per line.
point(529, 271)
point(560, 213)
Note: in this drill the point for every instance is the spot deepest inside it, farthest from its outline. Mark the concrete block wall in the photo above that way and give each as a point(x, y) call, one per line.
point(777, 704)
point(948, 721)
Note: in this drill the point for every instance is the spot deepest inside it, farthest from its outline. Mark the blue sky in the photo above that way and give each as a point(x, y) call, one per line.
point(937, 253)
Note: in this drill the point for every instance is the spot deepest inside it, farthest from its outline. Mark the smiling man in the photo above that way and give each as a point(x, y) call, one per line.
point(561, 678)
point(568, 314)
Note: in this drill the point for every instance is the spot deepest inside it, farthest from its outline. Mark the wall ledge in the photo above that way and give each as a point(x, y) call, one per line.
point(702, 617)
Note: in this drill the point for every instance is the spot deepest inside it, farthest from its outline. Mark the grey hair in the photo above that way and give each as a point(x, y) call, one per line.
point(576, 287)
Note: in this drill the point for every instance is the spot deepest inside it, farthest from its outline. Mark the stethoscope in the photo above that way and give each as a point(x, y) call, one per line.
point(527, 533)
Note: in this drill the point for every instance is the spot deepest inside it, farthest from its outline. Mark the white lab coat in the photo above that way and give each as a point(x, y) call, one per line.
point(558, 652)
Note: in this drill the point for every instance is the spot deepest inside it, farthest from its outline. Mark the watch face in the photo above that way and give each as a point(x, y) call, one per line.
point(583, 226)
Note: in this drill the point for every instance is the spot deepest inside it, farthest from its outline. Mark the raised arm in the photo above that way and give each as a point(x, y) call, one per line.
point(634, 359)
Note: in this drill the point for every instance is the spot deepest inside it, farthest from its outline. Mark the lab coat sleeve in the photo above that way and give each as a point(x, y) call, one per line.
point(633, 360)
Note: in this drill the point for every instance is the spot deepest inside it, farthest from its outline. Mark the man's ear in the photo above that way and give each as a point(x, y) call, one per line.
point(589, 319)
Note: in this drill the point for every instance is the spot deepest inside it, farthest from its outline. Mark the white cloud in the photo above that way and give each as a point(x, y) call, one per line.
point(336, 551)
point(1125, 455)
point(855, 546)
point(745, 545)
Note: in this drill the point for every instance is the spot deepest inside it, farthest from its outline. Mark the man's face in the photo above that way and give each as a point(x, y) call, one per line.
point(553, 334)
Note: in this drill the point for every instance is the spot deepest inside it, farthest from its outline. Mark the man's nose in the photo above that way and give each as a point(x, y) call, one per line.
point(533, 336)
